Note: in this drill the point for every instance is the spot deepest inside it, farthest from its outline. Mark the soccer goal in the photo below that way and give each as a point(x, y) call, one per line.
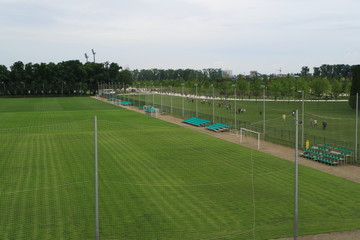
point(250, 136)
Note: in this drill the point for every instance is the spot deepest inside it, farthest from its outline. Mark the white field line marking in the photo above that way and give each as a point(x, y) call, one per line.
point(37, 189)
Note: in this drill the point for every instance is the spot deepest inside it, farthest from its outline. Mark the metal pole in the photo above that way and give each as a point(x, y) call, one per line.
point(302, 120)
point(96, 182)
point(235, 105)
point(145, 93)
point(296, 174)
point(213, 103)
point(171, 103)
point(196, 100)
point(264, 114)
point(182, 99)
point(113, 92)
point(161, 102)
point(241, 137)
point(139, 94)
point(153, 97)
point(356, 127)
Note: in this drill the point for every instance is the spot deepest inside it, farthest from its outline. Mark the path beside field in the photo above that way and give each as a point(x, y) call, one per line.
point(349, 172)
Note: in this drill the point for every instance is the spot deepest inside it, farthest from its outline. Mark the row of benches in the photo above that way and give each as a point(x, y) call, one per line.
point(343, 149)
point(125, 103)
point(330, 159)
point(199, 122)
point(328, 148)
point(150, 110)
point(218, 127)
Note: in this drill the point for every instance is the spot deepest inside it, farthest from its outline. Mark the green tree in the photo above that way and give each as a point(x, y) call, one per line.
point(336, 88)
point(320, 86)
point(355, 86)
point(17, 77)
point(125, 78)
point(256, 88)
point(4, 78)
point(243, 87)
point(305, 71)
point(275, 88)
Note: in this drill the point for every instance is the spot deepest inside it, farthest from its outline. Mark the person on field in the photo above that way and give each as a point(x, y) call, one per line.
point(315, 123)
point(311, 122)
point(324, 124)
point(283, 117)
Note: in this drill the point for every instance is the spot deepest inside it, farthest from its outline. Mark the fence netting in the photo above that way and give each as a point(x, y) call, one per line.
point(46, 181)
point(339, 119)
point(157, 181)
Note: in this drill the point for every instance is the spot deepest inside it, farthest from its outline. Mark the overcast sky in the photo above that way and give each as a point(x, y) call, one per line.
point(239, 35)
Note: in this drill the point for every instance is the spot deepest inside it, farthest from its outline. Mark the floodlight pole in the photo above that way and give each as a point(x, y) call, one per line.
point(234, 86)
point(96, 182)
point(93, 52)
point(196, 102)
point(182, 99)
point(296, 174)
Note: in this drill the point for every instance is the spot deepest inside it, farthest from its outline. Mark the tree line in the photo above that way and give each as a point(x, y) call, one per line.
point(68, 77)
point(73, 78)
point(327, 81)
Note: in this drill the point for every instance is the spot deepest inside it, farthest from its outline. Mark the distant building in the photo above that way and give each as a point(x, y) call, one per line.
point(254, 73)
point(226, 73)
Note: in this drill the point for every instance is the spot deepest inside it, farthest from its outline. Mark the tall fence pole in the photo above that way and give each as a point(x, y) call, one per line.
point(96, 182)
point(302, 120)
point(139, 94)
point(213, 105)
point(234, 105)
point(153, 96)
point(196, 99)
point(182, 85)
point(264, 109)
point(161, 102)
point(296, 174)
point(356, 127)
point(171, 103)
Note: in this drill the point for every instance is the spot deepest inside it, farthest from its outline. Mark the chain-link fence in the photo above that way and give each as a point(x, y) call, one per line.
point(338, 133)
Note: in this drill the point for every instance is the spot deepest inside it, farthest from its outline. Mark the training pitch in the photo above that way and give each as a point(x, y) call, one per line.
point(156, 180)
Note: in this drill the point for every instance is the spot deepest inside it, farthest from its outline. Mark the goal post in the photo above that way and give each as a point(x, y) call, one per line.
point(244, 130)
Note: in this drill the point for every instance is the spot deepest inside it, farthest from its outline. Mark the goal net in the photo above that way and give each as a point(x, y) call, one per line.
point(250, 137)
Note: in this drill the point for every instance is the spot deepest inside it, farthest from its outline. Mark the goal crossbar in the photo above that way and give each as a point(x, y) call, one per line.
point(248, 130)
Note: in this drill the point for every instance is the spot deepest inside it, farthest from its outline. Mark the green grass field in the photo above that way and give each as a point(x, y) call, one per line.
point(339, 116)
point(156, 180)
